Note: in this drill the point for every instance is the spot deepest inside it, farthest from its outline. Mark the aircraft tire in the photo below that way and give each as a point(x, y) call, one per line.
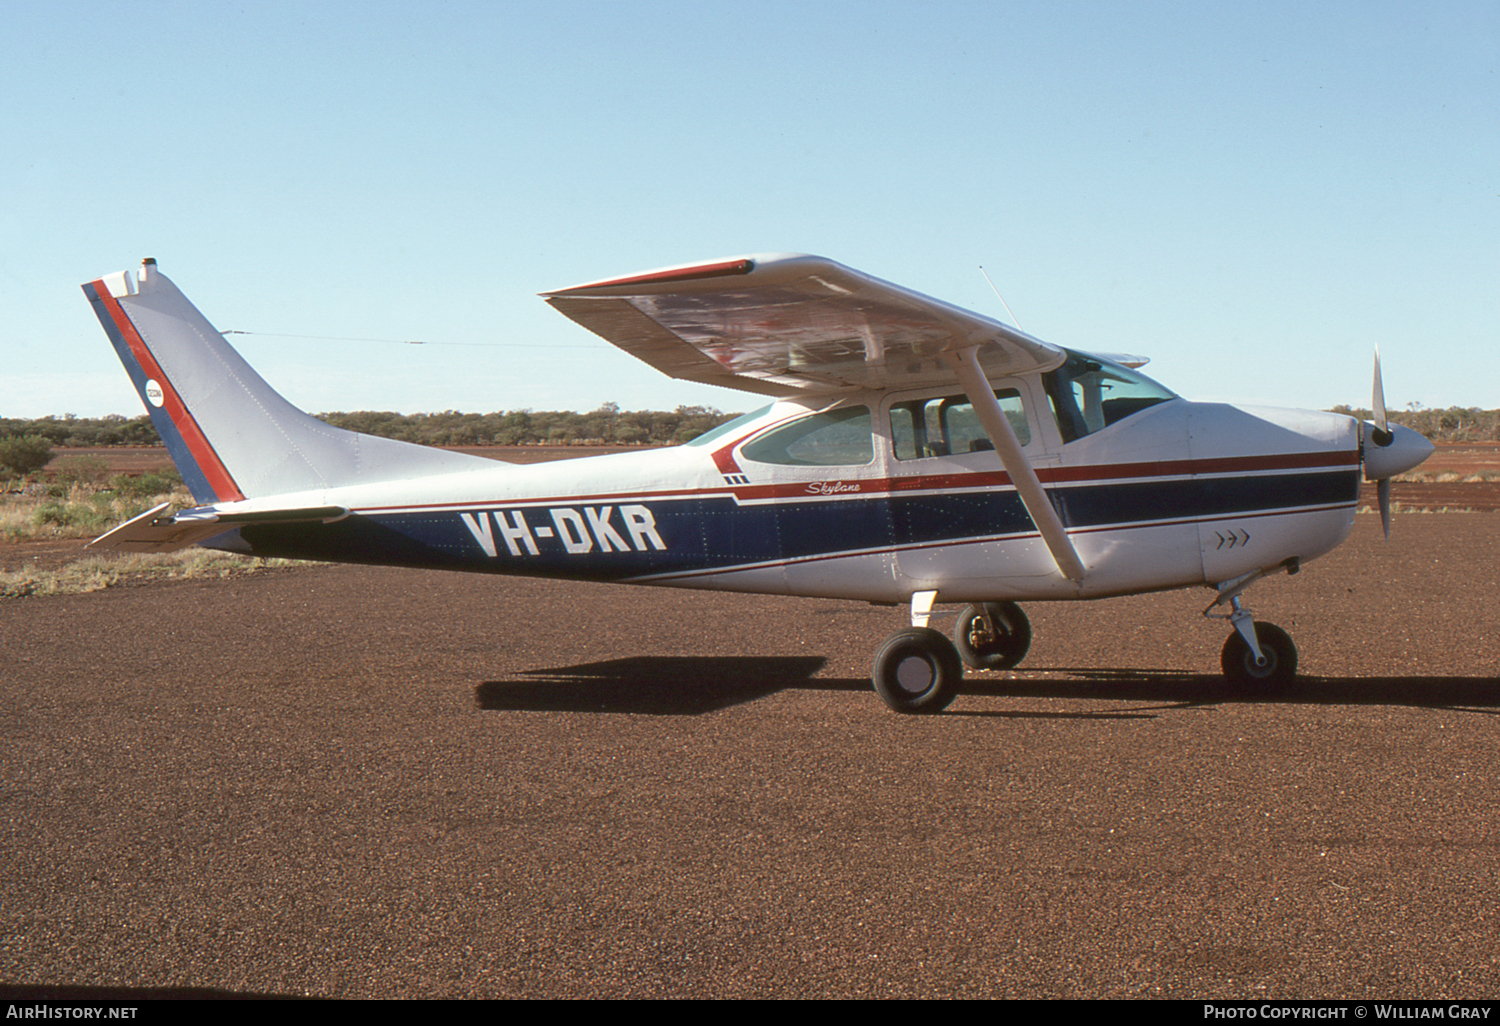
point(1010, 637)
point(917, 670)
point(1281, 657)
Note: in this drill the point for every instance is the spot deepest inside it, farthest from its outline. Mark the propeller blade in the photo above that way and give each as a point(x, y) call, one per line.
point(1382, 437)
point(1377, 404)
point(1386, 451)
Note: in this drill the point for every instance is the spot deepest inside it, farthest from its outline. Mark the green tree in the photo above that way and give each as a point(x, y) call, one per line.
point(24, 454)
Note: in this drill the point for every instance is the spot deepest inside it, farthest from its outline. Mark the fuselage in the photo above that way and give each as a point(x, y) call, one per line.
point(881, 494)
point(917, 453)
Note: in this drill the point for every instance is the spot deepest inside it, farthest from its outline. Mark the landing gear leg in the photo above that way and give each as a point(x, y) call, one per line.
point(917, 670)
point(1257, 652)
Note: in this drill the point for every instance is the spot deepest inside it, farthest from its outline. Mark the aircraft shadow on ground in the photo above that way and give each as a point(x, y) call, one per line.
point(656, 685)
point(1180, 688)
point(693, 685)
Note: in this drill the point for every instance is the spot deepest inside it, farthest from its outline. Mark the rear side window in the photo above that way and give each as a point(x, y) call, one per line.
point(947, 425)
point(835, 438)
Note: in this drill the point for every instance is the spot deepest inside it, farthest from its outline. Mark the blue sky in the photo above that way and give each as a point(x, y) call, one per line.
point(1253, 194)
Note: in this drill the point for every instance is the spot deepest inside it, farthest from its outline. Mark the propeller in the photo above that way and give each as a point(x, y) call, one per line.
point(1388, 452)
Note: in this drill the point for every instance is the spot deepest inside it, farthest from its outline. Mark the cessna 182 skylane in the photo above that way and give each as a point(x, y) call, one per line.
point(914, 453)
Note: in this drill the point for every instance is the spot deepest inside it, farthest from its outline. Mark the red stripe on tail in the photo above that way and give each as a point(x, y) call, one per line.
point(213, 468)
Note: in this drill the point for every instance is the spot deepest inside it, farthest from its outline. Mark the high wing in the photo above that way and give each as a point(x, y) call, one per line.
point(788, 324)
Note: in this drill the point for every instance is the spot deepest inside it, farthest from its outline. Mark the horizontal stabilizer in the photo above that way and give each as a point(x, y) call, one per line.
point(156, 531)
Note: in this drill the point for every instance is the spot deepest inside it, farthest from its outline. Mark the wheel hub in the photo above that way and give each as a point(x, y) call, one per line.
point(914, 675)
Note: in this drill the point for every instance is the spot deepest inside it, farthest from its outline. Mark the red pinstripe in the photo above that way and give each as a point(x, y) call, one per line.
point(870, 487)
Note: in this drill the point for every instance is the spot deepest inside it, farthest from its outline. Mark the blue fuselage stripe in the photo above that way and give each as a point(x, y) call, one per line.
point(631, 538)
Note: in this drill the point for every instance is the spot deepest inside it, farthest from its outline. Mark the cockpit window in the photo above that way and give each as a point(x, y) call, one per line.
point(1089, 394)
point(834, 438)
point(947, 425)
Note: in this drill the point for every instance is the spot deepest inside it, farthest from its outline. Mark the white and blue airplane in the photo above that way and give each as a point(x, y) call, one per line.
point(914, 453)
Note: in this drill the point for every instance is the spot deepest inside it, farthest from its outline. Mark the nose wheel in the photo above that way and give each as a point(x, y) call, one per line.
point(1278, 657)
point(1257, 652)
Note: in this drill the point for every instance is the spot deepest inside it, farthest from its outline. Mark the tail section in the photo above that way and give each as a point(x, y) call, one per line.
point(231, 435)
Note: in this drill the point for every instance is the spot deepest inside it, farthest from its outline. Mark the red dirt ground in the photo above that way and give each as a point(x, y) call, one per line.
point(367, 783)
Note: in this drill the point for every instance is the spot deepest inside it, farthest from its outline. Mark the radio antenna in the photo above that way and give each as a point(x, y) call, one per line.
point(1000, 297)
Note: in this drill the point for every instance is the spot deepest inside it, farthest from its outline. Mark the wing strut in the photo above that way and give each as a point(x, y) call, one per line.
point(966, 366)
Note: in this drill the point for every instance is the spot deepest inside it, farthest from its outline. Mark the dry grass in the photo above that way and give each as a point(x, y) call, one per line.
point(77, 510)
point(78, 503)
point(95, 573)
point(1396, 507)
point(1448, 477)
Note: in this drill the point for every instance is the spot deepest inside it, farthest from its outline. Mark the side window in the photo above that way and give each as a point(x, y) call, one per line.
point(837, 438)
point(947, 425)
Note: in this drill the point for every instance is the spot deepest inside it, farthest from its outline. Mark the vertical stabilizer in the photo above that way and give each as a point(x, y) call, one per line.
point(231, 435)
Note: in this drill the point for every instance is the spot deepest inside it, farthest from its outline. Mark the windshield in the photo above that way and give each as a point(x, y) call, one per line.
point(1088, 394)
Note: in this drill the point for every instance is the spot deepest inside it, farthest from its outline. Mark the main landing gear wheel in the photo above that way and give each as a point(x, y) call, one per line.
point(992, 636)
point(917, 670)
point(1280, 664)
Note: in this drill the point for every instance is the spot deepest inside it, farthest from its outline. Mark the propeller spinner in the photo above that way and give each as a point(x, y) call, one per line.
point(1388, 451)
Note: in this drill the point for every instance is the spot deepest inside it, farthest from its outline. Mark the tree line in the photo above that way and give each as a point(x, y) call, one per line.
point(24, 441)
point(608, 425)
point(1453, 424)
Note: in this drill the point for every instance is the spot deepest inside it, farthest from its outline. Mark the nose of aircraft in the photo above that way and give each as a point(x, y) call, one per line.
point(1388, 453)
